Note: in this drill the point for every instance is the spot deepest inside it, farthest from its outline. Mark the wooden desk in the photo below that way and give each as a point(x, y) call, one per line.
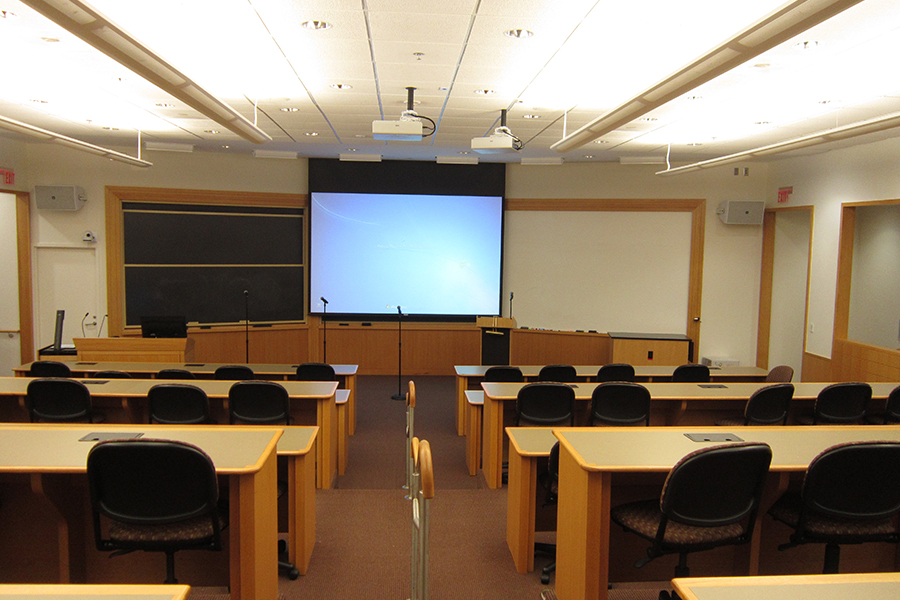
point(346, 374)
point(590, 456)
point(246, 455)
point(671, 405)
point(135, 348)
point(871, 586)
point(134, 394)
point(471, 376)
point(93, 592)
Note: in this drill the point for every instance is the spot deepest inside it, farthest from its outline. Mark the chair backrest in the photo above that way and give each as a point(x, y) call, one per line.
point(691, 373)
point(111, 375)
point(151, 482)
point(49, 368)
point(178, 403)
point(503, 373)
point(620, 403)
point(780, 374)
point(175, 374)
point(259, 402)
point(842, 402)
point(58, 400)
point(615, 372)
point(315, 372)
point(769, 405)
point(854, 481)
point(892, 412)
point(234, 373)
point(717, 485)
point(546, 403)
point(559, 373)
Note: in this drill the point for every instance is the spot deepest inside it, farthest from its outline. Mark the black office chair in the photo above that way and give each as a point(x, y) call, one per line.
point(49, 368)
point(891, 413)
point(558, 373)
point(111, 375)
point(767, 406)
point(503, 373)
point(620, 403)
point(263, 403)
point(543, 403)
point(691, 373)
point(57, 400)
point(615, 372)
point(153, 495)
point(234, 373)
point(315, 372)
point(259, 403)
point(710, 499)
point(850, 495)
point(175, 374)
point(178, 404)
point(780, 374)
point(550, 482)
point(840, 403)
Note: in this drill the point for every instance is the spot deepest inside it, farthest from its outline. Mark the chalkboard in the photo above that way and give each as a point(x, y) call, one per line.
point(213, 264)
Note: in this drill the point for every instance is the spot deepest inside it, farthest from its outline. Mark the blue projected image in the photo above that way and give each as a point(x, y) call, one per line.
point(430, 255)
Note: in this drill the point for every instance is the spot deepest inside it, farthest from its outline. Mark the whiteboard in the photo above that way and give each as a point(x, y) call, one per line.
point(602, 271)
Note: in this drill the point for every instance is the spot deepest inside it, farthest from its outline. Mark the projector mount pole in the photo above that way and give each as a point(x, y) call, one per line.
point(399, 395)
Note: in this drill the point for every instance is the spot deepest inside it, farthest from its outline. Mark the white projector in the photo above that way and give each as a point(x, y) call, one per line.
point(404, 130)
point(494, 144)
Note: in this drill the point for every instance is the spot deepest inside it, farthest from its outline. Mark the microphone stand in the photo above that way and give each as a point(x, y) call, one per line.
point(399, 395)
point(247, 325)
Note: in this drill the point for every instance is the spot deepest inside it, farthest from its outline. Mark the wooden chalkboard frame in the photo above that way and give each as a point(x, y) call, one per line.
point(117, 196)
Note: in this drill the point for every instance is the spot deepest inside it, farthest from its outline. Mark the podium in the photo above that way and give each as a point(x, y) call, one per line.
point(495, 339)
point(134, 349)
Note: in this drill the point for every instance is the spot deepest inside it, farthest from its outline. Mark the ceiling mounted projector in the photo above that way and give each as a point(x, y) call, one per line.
point(500, 142)
point(408, 129)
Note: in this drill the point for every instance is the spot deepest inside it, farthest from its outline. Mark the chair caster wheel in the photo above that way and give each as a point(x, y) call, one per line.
point(293, 574)
point(545, 579)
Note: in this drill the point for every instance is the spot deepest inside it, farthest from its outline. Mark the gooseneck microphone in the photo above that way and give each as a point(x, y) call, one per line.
point(82, 322)
point(324, 301)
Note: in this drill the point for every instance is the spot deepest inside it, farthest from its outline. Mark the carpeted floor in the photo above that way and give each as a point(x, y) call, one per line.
point(363, 526)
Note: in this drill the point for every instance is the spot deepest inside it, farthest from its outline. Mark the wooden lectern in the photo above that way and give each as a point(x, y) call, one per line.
point(135, 349)
point(495, 339)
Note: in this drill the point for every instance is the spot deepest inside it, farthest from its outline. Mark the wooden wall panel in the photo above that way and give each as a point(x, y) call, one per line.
point(854, 361)
point(279, 344)
point(816, 368)
point(536, 347)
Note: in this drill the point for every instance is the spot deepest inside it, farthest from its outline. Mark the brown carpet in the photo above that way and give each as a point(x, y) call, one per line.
point(363, 526)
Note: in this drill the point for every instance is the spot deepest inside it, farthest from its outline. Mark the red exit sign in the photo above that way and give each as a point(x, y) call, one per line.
point(7, 176)
point(784, 194)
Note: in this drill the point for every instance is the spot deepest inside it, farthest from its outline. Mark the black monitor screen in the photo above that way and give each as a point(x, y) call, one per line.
point(164, 327)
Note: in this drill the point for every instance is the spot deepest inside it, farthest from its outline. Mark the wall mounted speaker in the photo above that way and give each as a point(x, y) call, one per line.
point(59, 197)
point(735, 212)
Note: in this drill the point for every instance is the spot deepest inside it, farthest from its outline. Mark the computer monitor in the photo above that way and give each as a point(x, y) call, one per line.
point(164, 327)
point(58, 333)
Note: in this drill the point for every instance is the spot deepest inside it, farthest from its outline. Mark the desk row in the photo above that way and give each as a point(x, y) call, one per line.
point(128, 401)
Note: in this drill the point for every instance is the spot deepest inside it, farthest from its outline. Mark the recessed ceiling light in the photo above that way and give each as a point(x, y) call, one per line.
point(601, 142)
point(648, 119)
point(316, 25)
point(485, 92)
point(521, 34)
point(463, 151)
point(589, 156)
point(341, 86)
point(108, 128)
point(226, 147)
point(289, 109)
point(351, 149)
point(531, 116)
point(312, 133)
point(211, 131)
point(360, 135)
point(695, 143)
point(164, 105)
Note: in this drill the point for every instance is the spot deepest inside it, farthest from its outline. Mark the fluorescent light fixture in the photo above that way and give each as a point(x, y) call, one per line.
point(642, 160)
point(882, 123)
point(87, 23)
point(457, 160)
point(168, 147)
point(542, 161)
point(353, 157)
point(274, 154)
point(58, 138)
point(770, 31)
